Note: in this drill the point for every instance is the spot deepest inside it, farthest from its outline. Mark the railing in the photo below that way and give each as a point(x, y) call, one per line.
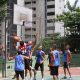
point(10, 64)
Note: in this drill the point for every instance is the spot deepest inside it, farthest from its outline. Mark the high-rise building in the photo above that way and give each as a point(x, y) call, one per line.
point(43, 24)
point(49, 17)
point(59, 9)
point(44, 13)
point(38, 24)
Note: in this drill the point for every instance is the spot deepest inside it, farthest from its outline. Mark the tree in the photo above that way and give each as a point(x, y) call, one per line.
point(71, 20)
point(2, 9)
point(70, 7)
point(2, 2)
point(48, 42)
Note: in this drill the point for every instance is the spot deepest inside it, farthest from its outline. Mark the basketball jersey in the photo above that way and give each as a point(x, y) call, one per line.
point(19, 63)
point(22, 49)
point(28, 49)
point(39, 55)
point(57, 57)
point(66, 56)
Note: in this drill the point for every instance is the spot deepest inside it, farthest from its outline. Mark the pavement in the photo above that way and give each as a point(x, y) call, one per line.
point(75, 71)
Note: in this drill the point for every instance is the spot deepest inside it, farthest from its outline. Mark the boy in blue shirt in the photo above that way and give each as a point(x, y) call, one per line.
point(19, 64)
point(54, 67)
point(66, 60)
point(40, 58)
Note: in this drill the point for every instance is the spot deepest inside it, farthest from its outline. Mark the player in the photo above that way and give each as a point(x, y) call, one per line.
point(19, 64)
point(54, 66)
point(66, 60)
point(28, 63)
point(40, 58)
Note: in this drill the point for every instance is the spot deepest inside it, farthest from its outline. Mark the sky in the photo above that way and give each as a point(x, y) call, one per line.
point(72, 2)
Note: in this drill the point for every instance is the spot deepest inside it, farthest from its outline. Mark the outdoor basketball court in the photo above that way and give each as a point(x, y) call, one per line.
point(75, 71)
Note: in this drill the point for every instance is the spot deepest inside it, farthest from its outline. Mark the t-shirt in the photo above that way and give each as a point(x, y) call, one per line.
point(28, 50)
point(22, 49)
point(66, 55)
point(57, 57)
point(39, 55)
point(19, 63)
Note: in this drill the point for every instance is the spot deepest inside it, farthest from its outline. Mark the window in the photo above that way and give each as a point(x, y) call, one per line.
point(51, 13)
point(34, 22)
point(34, 29)
point(51, 28)
point(0, 24)
point(34, 8)
point(49, 21)
point(34, 2)
point(34, 15)
point(27, 2)
point(27, 29)
point(51, 6)
point(50, 0)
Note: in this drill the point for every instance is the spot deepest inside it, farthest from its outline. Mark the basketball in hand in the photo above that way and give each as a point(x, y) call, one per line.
point(16, 38)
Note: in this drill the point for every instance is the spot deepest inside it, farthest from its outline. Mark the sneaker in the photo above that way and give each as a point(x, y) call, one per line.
point(26, 78)
point(34, 79)
point(70, 78)
point(42, 78)
point(64, 77)
point(14, 77)
point(31, 78)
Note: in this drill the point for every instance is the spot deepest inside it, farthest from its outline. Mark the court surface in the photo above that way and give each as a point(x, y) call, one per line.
point(75, 71)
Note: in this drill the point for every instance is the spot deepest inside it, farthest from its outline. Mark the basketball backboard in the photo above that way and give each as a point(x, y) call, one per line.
point(22, 14)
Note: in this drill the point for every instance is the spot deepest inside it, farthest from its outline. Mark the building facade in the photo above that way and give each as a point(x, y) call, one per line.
point(44, 13)
point(59, 9)
point(38, 23)
point(49, 17)
point(43, 25)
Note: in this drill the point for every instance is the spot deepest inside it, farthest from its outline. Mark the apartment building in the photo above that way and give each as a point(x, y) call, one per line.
point(38, 23)
point(49, 17)
point(44, 13)
point(59, 9)
point(43, 24)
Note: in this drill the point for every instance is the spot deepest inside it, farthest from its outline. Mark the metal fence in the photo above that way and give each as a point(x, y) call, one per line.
point(10, 64)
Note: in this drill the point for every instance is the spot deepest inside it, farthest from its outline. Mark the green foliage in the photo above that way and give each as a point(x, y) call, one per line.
point(2, 2)
point(2, 15)
point(49, 41)
point(71, 21)
point(2, 9)
point(72, 8)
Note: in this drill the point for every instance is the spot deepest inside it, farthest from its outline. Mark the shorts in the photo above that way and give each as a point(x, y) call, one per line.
point(27, 64)
point(37, 65)
point(21, 73)
point(65, 65)
point(54, 70)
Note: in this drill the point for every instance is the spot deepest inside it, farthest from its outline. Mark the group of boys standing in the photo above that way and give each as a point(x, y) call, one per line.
point(54, 61)
point(23, 61)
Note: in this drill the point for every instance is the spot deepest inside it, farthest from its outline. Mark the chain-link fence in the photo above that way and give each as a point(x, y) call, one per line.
point(10, 64)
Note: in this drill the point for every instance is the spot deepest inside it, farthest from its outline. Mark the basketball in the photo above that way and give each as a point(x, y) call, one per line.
point(16, 38)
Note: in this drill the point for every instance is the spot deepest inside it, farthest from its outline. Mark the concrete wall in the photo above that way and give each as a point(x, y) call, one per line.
point(59, 8)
